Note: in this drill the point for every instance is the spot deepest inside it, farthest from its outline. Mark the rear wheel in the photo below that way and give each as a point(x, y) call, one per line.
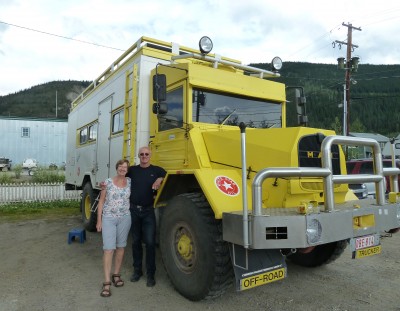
point(321, 254)
point(89, 218)
point(196, 258)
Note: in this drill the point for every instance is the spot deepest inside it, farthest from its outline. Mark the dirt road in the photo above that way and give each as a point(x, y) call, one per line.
point(39, 270)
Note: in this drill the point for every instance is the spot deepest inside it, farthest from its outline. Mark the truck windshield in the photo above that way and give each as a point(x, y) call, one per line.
point(218, 108)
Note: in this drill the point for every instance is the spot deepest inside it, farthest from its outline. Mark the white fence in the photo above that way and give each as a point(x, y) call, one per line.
point(36, 192)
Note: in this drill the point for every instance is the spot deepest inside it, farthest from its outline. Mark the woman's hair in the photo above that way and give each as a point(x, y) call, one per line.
point(120, 162)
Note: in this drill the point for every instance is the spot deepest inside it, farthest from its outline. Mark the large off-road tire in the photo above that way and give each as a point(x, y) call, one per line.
point(321, 254)
point(89, 218)
point(195, 257)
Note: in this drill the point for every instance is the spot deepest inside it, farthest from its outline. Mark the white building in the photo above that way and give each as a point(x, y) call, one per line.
point(42, 139)
point(387, 150)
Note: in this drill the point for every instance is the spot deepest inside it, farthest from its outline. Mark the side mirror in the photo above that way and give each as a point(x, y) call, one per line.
point(160, 108)
point(300, 101)
point(159, 88)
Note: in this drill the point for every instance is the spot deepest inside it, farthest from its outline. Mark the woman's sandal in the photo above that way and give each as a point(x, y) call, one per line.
point(106, 292)
point(119, 282)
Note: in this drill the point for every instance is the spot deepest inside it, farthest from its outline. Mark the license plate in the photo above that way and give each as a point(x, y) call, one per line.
point(369, 251)
point(263, 278)
point(364, 242)
point(365, 246)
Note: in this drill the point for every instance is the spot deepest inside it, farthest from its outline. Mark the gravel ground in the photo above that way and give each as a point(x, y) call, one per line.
point(39, 270)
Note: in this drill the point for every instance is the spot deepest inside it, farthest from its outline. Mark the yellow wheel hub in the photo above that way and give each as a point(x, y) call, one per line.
point(185, 247)
point(87, 206)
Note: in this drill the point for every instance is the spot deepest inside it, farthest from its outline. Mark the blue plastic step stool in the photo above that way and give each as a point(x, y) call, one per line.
point(76, 232)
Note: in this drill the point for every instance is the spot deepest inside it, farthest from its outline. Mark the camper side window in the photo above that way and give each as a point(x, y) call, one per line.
point(83, 136)
point(93, 132)
point(118, 121)
point(88, 133)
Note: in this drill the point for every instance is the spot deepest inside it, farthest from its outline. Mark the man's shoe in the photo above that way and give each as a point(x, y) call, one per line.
point(151, 281)
point(136, 276)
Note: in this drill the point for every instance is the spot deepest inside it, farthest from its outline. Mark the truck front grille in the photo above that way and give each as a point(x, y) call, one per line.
point(310, 152)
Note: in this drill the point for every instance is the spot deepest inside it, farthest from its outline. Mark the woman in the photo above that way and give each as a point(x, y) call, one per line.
point(114, 221)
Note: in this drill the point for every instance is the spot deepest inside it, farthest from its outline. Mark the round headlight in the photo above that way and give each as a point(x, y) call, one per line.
point(314, 231)
point(205, 45)
point(276, 63)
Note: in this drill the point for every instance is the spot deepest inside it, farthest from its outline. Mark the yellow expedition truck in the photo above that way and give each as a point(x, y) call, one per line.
point(243, 192)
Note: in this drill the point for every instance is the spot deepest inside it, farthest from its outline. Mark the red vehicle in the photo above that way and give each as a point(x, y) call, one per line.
point(366, 166)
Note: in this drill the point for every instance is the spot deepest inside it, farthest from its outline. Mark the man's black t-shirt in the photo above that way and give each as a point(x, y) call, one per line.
point(142, 178)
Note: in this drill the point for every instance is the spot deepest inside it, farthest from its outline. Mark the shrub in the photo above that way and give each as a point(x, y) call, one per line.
point(42, 175)
point(17, 170)
point(5, 178)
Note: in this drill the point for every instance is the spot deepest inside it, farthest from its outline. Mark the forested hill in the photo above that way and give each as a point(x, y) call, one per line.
point(40, 101)
point(374, 93)
point(374, 108)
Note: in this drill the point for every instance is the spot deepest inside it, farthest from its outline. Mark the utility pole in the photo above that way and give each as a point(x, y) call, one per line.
point(350, 66)
point(56, 104)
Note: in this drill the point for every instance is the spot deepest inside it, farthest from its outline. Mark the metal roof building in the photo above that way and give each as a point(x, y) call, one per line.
point(42, 139)
point(366, 152)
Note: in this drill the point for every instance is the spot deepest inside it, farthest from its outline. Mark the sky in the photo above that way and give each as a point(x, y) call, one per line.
point(54, 40)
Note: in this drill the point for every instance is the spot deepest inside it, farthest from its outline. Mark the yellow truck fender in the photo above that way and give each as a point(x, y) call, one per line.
point(222, 188)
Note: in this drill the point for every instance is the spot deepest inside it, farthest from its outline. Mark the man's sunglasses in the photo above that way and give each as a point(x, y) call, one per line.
point(144, 154)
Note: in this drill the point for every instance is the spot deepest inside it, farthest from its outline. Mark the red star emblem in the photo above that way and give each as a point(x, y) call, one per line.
point(227, 185)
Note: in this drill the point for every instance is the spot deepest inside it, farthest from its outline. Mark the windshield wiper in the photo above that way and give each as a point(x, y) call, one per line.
point(227, 117)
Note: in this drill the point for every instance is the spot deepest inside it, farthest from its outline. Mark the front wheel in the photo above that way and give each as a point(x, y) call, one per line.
point(196, 258)
point(89, 218)
point(321, 254)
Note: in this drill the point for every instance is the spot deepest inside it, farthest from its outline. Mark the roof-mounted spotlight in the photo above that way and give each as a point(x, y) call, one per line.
point(205, 45)
point(276, 63)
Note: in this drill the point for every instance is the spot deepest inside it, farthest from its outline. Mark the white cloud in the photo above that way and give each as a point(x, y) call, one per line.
point(251, 30)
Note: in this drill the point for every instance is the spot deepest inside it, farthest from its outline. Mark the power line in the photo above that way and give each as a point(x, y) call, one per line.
point(375, 18)
point(60, 36)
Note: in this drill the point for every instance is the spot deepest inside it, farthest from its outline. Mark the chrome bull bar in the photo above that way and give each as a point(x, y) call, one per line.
point(342, 179)
point(324, 172)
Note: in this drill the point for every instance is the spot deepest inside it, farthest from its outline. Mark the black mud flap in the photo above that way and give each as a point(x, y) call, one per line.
point(256, 267)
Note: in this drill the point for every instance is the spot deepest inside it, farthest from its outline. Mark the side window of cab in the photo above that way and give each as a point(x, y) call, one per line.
point(174, 117)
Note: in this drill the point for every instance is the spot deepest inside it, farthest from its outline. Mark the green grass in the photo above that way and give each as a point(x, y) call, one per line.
point(36, 210)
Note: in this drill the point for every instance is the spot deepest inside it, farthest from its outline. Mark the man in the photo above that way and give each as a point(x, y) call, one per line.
point(145, 181)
